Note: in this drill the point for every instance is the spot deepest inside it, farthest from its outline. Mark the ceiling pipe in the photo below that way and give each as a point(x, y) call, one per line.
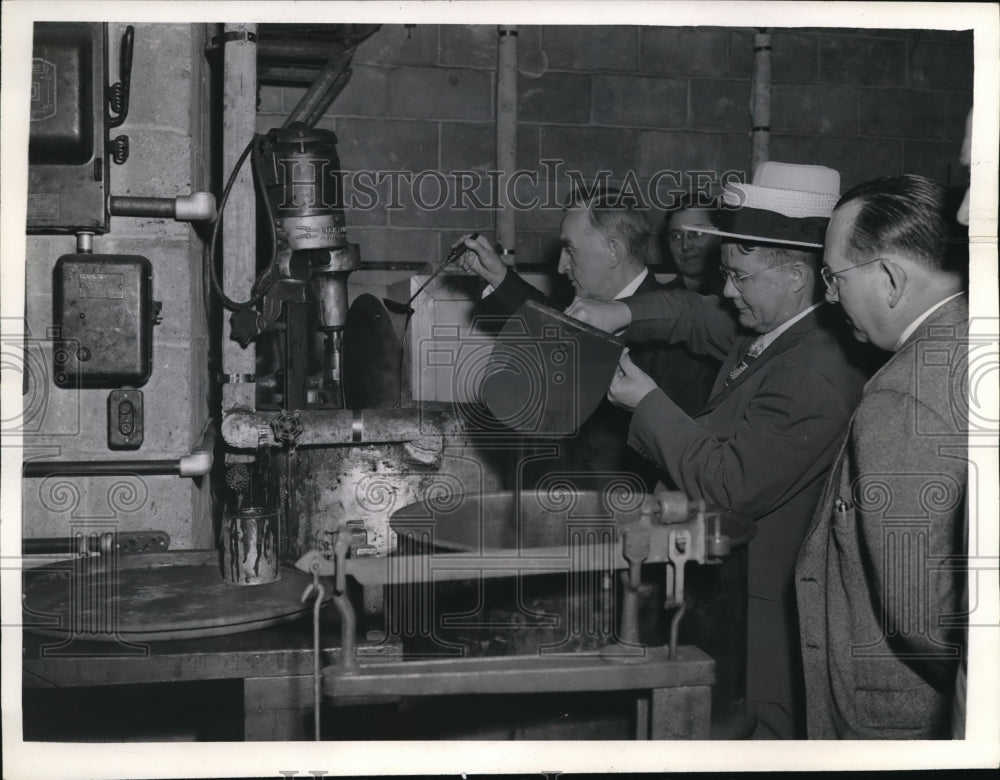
point(506, 137)
point(760, 100)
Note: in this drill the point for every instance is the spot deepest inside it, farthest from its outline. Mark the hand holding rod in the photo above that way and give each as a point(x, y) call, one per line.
point(405, 308)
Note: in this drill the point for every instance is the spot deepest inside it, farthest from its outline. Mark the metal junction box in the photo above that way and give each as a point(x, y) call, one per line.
point(68, 166)
point(103, 313)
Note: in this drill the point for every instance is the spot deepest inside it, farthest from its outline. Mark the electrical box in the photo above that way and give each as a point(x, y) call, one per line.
point(125, 419)
point(104, 315)
point(67, 163)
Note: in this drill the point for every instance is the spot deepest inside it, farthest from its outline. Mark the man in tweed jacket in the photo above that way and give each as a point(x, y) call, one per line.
point(880, 579)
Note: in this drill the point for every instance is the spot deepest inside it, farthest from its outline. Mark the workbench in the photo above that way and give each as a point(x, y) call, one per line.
point(273, 667)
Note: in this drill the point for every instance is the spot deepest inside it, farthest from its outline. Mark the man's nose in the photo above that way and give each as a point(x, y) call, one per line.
point(729, 289)
point(685, 241)
point(563, 266)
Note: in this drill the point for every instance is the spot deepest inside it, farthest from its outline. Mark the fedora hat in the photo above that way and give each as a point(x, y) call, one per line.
point(786, 204)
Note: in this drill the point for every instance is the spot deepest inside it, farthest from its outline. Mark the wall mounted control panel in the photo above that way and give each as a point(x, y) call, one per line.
point(103, 313)
point(125, 419)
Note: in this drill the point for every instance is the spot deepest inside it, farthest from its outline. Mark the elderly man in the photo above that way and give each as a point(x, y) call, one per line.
point(604, 242)
point(762, 445)
point(880, 578)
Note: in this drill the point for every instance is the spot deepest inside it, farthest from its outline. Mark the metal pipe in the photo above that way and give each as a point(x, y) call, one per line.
point(295, 51)
point(760, 100)
point(506, 136)
point(196, 207)
point(307, 110)
point(239, 230)
point(327, 98)
point(195, 464)
point(99, 468)
point(241, 429)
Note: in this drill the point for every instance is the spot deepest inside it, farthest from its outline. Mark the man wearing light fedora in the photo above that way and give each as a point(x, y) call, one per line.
point(881, 577)
point(762, 445)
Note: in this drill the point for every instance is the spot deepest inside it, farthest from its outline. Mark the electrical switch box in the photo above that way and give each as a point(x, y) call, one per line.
point(103, 315)
point(67, 160)
point(125, 419)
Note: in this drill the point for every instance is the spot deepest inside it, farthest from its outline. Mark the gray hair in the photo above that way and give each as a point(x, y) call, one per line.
point(616, 216)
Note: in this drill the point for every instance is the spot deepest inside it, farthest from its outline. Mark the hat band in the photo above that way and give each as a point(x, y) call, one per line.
point(773, 226)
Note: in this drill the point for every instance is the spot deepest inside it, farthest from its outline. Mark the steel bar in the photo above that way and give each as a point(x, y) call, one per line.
point(522, 674)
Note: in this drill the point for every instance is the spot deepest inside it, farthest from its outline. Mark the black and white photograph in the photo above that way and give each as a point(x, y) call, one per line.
point(484, 388)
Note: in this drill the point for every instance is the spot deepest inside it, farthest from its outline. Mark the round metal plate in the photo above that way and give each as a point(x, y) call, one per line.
point(156, 597)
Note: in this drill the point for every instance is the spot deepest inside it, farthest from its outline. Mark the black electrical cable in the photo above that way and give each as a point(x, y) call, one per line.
point(229, 303)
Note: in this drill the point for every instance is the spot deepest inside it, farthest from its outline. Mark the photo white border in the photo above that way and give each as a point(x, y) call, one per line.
point(982, 745)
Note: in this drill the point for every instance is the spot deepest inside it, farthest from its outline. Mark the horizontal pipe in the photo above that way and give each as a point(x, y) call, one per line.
point(241, 428)
point(195, 464)
point(298, 51)
point(196, 207)
point(99, 468)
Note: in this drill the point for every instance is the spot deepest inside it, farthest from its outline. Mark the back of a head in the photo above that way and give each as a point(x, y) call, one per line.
point(616, 215)
point(905, 214)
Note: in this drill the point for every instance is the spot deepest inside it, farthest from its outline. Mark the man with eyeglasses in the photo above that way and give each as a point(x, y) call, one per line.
point(763, 443)
point(880, 579)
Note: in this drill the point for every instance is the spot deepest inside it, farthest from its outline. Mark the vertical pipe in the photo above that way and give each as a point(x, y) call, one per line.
point(760, 100)
point(239, 258)
point(506, 220)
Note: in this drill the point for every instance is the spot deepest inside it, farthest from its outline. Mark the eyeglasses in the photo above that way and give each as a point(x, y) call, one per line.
point(692, 235)
point(830, 277)
point(729, 275)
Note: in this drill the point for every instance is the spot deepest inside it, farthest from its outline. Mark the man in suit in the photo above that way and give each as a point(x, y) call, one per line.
point(763, 443)
point(604, 240)
point(880, 579)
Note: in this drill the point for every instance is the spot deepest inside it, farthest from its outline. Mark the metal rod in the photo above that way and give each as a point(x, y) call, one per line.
point(760, 100)
point(506, 134)
point(122, 206)
point(196, 464)
point(94, 468)
point(327, 98)
point(317, 93)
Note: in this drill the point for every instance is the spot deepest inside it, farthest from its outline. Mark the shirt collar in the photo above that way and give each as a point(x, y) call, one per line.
point(630, 288)
point(916, 323)
point(766, 339)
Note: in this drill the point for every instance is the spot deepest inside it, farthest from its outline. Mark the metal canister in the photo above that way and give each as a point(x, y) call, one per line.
point(250, 546)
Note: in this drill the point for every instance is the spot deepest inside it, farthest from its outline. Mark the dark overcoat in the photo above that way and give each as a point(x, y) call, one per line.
point(761, 447)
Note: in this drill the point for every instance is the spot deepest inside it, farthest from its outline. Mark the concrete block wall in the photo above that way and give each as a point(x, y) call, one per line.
point(168, 128)
point(628, 98)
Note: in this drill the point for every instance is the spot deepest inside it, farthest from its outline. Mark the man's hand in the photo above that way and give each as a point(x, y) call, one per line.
point(481, 259)
point(609, 316)
point(630, 384)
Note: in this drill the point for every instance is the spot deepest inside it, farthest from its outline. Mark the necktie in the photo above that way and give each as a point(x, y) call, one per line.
point(752, 353)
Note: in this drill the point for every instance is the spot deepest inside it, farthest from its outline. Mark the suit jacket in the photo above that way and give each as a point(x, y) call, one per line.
point(761, 447)
point(600, 446)
point(882, 624)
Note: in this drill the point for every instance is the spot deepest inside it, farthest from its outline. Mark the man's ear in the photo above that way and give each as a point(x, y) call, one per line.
point(617, 252)
point(799, 276)
point(895, 280)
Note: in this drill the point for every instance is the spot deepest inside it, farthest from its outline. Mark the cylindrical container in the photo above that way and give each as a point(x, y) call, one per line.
point(250, 547)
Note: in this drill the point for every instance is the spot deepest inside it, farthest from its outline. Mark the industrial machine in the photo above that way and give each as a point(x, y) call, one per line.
point(330, 464)
point(503, 535)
